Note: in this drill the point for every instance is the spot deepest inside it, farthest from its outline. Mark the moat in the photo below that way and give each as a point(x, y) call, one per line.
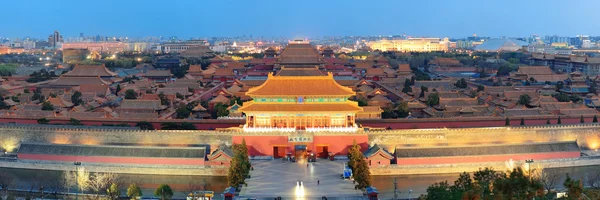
point(26, 179)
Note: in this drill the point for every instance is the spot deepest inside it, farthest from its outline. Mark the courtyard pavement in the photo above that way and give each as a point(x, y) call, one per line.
point(277, 178)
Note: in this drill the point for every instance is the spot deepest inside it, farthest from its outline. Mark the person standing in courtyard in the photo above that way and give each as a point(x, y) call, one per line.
point(318, 182)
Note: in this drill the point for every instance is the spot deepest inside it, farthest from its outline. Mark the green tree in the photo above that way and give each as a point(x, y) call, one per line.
point(480, 88)
point(26, 91)
point(134, 191)
point(507, 122)
point(484, 178)
point(43, 121)
point(163, 99)
point(37, 95)
point(362, 102)
point(522, 122)
point(574, 188)
point(407, 88)
point(130, 94)
point(169, 126)
point(461, 185)
point(403, 109)
point(562, 97)
point(118, 89)
point(517, 185)
point(581, 120)
point(433, 99)
point(592, 88)
point(524, 99)
point(360, 167)
point(163, 191)
point(187, 126)
point(438, 191)
point(423, 90)
point(179, 96)
point(595, 120)
point(240, 165)
point(558, 122)
point(548, 121)
point(74, 121)
point(76, 98)
point(559, 85)
point(47, 106)
point(144, 125)
point(113, 191)
point(220, 110)
point(182, 112)
point(462, 83)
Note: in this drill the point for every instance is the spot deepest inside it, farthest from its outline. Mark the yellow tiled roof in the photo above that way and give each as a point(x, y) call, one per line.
point(300, 86)
point(264, 107)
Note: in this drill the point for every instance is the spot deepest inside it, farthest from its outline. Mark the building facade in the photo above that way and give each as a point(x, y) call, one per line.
point(300, 103)
point(410, 45)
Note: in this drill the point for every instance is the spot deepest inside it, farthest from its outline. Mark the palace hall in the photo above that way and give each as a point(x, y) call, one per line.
point(300, 103)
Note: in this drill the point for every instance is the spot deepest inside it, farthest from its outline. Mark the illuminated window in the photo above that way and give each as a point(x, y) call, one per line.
point(337, 120)
point(263, 120)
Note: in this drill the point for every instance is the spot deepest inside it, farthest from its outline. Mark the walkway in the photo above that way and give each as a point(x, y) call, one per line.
point(276, 178)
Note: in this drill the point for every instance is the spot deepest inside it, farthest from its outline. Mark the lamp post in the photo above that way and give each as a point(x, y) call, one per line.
point(395, 189)
point(77, 164)
point(529, 161)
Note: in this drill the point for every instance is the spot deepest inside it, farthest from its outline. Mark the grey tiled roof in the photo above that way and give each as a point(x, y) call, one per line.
point(112, 150)
point(374, 149)
point(569, 146)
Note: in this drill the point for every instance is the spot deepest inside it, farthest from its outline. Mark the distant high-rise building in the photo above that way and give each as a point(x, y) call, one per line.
point(98, 38)
point(557, 39)
point(55, 39)
point(81, 35)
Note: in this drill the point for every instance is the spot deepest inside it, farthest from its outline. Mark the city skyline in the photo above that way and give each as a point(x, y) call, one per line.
point(186, 19)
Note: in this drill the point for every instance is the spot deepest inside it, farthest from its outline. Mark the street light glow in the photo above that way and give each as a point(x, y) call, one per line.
point(300, 191)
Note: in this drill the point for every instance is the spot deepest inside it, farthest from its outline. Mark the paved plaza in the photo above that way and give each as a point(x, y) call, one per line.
point(277, 178)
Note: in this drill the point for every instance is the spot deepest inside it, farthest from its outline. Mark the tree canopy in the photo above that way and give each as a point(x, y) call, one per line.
point(524, 99)
point(240, 166)
point(163, 191)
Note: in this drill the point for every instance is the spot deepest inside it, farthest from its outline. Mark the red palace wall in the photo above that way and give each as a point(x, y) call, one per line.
point(488, 158)
point(338, 145)
point(120, 160)
point(464, 123)
point(392, 123)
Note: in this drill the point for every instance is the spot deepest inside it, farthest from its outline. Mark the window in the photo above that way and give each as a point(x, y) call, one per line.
point(263, 121)
point(337, 120)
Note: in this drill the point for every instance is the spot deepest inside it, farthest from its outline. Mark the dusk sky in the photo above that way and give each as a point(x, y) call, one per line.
point(305, 18)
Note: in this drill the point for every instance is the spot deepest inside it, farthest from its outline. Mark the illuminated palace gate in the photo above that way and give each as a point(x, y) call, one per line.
point(287, 111)
point(301, 142)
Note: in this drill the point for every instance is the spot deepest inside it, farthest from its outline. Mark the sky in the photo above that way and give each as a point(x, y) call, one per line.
point(297, 19)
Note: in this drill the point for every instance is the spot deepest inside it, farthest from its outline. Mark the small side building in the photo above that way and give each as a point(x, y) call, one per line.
point(378, 157)
point(221, 157)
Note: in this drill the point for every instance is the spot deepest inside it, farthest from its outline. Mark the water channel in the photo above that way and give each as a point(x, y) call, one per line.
point(32, 179)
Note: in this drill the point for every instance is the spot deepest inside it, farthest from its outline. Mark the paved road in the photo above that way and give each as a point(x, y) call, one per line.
point(278, 178)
